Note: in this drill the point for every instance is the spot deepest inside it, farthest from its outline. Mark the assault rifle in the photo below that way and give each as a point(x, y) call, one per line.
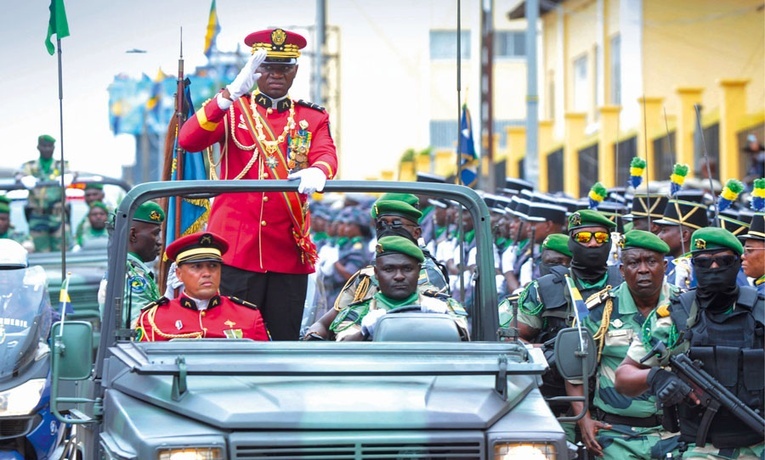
point(712, 395)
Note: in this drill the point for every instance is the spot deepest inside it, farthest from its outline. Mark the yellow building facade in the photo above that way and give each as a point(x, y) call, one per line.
point(637, 73)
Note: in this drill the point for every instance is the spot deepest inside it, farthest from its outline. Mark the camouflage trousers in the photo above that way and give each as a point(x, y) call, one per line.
point(710, 452)
point(45, 232)
point(627, 442)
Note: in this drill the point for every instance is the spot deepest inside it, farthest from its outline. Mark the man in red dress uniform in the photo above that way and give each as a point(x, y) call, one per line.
point(200, 312)
point(266, 135)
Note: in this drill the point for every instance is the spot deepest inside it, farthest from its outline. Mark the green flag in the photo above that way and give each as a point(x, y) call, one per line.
point(57, 24)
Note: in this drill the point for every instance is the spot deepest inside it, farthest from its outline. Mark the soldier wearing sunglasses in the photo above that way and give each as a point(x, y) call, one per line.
point(719, 324)
point(544, 306)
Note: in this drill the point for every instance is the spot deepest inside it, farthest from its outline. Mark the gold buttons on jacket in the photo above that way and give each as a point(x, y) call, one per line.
point(263, 223)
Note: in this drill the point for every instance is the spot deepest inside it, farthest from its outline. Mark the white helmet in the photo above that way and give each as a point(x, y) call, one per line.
point(12, 255)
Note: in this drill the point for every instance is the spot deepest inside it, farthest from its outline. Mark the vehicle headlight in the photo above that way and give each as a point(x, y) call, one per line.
point(23, 399)
point(524, 450)
point(190, 453)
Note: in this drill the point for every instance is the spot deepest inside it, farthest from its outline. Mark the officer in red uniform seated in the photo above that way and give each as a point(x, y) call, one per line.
point(200, 311)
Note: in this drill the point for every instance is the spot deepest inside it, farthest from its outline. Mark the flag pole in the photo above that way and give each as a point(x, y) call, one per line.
point(64, 216)
point(458, 179)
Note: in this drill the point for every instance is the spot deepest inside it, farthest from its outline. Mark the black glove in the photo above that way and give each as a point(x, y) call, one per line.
point(668, 387)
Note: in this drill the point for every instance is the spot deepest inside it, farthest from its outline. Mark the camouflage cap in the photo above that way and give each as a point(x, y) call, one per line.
point(557, 242)
point(589, 218)
point(640, 239)
point(149, 212)
point(714, 239)
point(398, 245)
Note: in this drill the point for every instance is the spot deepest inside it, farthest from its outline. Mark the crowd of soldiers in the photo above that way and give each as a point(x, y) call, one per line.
point(631, 269)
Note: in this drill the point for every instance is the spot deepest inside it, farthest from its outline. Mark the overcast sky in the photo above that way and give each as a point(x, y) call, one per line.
point(101, 31)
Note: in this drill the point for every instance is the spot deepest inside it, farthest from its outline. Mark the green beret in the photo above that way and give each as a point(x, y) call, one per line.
point(99, 204)
point(588, 218)
point(640, 239)
point(557, 242)
point(150, 212)
point(46, 138)
point(5, 205)
point(714, 239)
point(398, 245)
point(94, 185)
point(397, 204)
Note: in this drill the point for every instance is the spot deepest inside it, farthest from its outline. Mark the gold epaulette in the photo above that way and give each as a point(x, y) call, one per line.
point(157, 303)
point(663, 310)
point(247, 304)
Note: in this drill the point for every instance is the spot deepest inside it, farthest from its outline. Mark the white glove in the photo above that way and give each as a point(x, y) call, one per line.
point(173, 282)
point(29, 182)
point(311, 180)
point(434, 309)
point(247, 76)
point(369, 321)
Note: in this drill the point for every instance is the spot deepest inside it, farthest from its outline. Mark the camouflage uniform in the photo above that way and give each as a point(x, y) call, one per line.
point(12, 234)
point(348, 321)
point(140, 289)
point(44, 210)
point(649, 440)
point(659, 326)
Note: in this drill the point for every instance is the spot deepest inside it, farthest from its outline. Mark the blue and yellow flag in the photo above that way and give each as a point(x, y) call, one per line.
point(57, 24)
point(63, 297)
point(193, 212)
point(213, 28)
point(466, 150)
point(576, 298)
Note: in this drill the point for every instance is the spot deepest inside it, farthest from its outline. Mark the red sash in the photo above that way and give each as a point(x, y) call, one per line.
point(301, 221)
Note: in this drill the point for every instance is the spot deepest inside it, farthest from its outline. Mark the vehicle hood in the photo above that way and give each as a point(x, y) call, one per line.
point(275, 387)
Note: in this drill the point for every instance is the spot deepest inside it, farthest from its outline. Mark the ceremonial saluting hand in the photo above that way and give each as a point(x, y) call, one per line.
point(247, 76)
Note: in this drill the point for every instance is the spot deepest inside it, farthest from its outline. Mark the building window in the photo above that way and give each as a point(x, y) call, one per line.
point(581, 89)
point(443, 44)
point(509, 44)
point(616, 70)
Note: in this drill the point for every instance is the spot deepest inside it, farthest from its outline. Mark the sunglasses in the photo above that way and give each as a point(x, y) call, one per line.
point(382, 225)
point(721, 261)
point(585, 237)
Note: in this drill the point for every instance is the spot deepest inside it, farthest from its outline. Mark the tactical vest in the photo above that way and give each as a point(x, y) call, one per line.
point(553, 292)
point(730, 347)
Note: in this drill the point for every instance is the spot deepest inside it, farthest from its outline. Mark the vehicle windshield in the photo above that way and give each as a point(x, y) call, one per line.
point(25, 316)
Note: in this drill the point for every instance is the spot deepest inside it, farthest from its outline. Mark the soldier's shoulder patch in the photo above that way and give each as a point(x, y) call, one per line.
point(161, 302)
point(311, 105)
point(137, 284)
point(247, 304)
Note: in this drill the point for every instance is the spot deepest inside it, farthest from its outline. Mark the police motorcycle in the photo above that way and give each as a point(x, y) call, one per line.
point(28, 430)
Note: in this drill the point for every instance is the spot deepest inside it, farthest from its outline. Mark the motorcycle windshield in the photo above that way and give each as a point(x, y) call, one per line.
point(25, 316)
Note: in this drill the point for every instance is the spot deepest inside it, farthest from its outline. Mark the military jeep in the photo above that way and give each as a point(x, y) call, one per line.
point(246, 400)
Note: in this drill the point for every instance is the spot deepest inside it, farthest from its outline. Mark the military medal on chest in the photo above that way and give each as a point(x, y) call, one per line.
point(299, 142)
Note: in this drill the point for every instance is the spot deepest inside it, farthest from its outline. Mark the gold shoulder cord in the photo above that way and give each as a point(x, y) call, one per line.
point(224, 150)
point(156, 330)
point(600, 334)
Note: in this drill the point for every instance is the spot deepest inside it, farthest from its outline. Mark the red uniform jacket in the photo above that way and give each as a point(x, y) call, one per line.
point(224, 318)
point(258, 227)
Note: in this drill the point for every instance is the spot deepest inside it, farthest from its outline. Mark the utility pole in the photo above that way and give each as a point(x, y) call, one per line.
point(531, 164)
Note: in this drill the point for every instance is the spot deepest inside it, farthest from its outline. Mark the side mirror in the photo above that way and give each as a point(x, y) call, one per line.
point(72, 357)
point(575, 353)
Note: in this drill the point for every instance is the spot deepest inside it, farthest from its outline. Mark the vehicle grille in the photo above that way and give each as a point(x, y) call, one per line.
point(18, 426)
point(305, 448)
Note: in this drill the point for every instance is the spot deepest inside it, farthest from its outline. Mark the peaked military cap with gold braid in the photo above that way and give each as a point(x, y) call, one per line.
point(197, 247)
point(688, 213)
point(282, 46)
